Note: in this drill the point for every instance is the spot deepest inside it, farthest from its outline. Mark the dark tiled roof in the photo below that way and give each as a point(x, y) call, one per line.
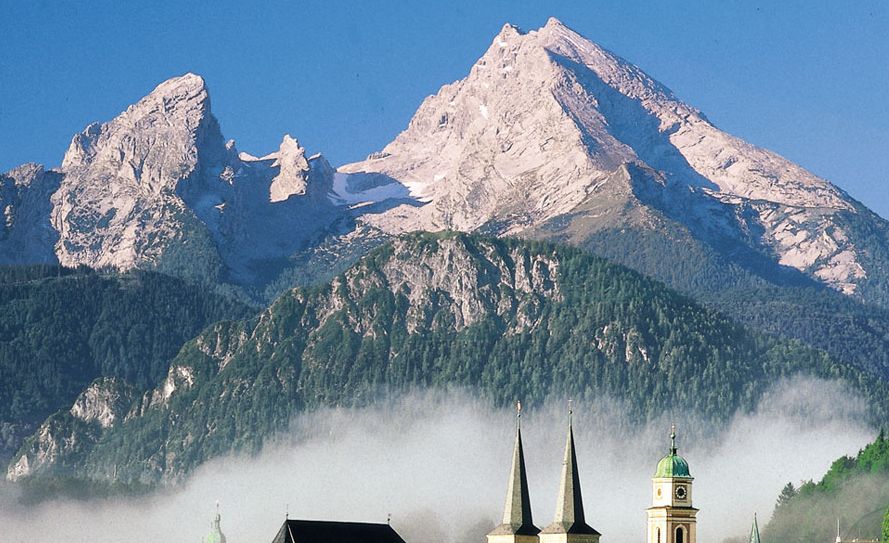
point(320, 531)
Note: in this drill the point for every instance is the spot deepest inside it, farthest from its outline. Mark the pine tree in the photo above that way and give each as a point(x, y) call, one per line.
point(886, 526)
point(788, 493)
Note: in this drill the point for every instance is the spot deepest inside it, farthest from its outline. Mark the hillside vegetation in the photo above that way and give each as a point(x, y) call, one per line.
point(506, 318)
point(60, 329)
point(854, 490)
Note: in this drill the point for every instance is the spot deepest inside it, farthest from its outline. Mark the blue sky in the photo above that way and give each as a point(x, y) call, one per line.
point(809, 80)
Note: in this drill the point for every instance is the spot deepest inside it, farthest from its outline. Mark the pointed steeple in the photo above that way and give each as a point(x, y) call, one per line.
point(754, 532)
point(517, 512)
point(569, 509)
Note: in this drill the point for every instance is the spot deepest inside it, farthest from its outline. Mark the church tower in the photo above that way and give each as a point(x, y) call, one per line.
point(671, 517)
point(570, 524)
point(517, 526)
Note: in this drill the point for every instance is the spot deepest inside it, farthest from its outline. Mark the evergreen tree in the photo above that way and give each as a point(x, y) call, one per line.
point(886, 526)
point(788, 493)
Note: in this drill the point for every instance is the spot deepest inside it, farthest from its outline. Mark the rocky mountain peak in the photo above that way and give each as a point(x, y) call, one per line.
point(25, 175)
point(509, 31)
point(498, 147)
point(155, 142)
point(293, 170)
point(25, 232)
point(546, 120)
point(132, 171)
point(186, 85)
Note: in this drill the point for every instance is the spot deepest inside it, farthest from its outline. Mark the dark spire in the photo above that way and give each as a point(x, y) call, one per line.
point(569, 510)
point(517, 513)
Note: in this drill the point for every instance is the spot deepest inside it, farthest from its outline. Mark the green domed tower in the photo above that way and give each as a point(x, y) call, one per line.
point(215, 535)
point(671, 517)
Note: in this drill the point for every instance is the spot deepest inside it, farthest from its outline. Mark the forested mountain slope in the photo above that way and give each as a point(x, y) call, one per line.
point(60, 329)
point(506, 318)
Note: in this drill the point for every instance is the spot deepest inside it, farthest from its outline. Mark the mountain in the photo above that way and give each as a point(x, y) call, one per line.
point(506, 318)
point(549, 136)
point(159, 188)
point(552, 136)
point(61, 329)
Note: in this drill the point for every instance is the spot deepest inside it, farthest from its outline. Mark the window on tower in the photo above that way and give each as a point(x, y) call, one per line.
point(658, 535)
point(680, 535)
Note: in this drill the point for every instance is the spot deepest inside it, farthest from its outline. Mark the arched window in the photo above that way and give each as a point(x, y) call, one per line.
point(658, 535)
point(680, 535)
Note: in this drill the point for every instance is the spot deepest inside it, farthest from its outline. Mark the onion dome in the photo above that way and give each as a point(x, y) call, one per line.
point(672, 465)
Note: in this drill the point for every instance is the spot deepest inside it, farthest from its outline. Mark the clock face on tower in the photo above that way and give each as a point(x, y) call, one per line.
point(681, 492)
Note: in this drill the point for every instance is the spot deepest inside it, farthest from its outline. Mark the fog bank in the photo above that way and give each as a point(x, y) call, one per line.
point(439, 464)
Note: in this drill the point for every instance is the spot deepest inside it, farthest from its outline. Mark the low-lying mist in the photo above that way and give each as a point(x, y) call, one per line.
point(438, 463)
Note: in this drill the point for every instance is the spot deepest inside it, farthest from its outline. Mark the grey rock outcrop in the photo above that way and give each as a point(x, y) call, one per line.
point(26, 235)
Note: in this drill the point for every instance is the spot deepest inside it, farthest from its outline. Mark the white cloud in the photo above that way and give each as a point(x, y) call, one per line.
point(439, 463)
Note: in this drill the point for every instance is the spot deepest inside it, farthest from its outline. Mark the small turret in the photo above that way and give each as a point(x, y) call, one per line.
point(672, 465)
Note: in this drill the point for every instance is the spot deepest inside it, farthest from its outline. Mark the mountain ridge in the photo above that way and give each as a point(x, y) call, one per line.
point(505, 317)
point(546, 122)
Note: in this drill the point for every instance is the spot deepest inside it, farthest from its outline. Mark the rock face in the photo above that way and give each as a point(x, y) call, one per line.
point(105, 401)
point(158, 187)
point(548, 123)
point(26, 235)
point(126, 182)
point(293, 169)
point(65, 436)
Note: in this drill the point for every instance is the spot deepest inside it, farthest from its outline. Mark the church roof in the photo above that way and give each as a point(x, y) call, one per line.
point(672, 465)
point(569, 509)
point(517, 512)
point(321, 531)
